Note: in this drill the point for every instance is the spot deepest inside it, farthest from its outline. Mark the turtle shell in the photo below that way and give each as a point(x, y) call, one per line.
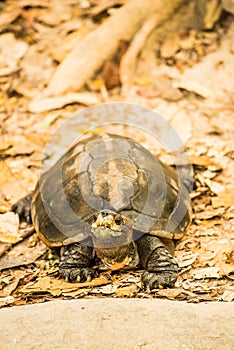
point(109, 172)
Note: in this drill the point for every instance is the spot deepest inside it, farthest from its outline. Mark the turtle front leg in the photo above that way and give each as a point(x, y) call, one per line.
point(76, 263)
point(161, 268)
point(23, 208)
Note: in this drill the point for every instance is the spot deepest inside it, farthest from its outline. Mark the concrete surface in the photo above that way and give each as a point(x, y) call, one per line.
point(109, 324)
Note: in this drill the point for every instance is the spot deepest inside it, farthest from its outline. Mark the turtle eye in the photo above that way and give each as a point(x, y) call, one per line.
point(118, 221)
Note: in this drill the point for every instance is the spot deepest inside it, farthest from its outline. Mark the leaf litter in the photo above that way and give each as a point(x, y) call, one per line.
point(192, 86)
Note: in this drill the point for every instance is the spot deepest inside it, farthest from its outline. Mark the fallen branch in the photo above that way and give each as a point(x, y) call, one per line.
point(128, 62)
point(89, 55)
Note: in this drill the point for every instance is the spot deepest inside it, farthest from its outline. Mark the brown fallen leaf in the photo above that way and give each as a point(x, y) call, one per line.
point(21, 254)
point(105, 290)
point(173, 293)
point(9, 288)
point(77, 293)
point(8, 16)
point(207, 272)
point(224, 199)
point(204, 161)
point(214, 186)
point(228, 294)
point(127, 292)
point(56, 286)
point(187, 259)
point(209, 213)
point(12, 50)
point(226, 269)
point(9, 228)
point(6, 301)
point(38, 105)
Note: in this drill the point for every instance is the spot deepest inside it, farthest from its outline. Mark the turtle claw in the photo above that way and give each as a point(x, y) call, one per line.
point(77, 274)
point(154, 280)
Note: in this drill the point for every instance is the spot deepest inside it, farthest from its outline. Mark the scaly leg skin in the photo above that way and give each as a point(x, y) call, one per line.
point(75, 263)
point(23, 208)
point(161, 268)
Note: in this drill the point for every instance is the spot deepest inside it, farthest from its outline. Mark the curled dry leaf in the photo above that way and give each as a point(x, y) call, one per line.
point(9, 228)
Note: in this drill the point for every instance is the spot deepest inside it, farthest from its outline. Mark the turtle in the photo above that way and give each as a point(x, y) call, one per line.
point(109, 203)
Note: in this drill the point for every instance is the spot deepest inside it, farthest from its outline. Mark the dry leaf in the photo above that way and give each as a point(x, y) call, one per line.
point(228, 295)
point(128, 291)
point(195, 87)
point(173, 293)
point(38, 105)
point(208, 272)
point(12, 50)
point(105, 290)
point(8, 16)
point(9, 228)
point(21, 254)
point(209, 213)
point(204, 161)
point(9, 288)
point(214, 186)
point(56, 286)
point(187, 259)
point(224, 199)
point(6, 301)
point(226, 269)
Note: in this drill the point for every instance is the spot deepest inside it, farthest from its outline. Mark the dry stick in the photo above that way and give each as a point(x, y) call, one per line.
point(89, 55)
point(128, 62)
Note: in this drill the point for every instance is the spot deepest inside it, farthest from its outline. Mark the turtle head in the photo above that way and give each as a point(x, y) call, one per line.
point(112, 238)
point(110, 229)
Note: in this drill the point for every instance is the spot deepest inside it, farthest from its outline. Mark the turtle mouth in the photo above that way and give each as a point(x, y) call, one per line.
point(110, 229)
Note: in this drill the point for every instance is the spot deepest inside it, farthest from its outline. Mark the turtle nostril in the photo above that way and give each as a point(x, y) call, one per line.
point(105, 213)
